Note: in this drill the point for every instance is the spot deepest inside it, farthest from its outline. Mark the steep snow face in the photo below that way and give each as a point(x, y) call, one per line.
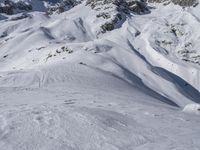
point(99, 75)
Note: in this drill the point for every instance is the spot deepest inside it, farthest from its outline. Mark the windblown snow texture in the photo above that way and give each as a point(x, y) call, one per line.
point(99, 74)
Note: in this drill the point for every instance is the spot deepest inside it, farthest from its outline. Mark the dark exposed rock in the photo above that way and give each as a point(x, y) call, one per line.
point(9, 7)
point(111, 25)
point(107, 27)
point(115, 11)
point(62, 6)
point(183, 3)
point(104, 15)
point(127, 6)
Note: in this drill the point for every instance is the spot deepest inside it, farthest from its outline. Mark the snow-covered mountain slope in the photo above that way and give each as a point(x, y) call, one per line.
point(99, 74)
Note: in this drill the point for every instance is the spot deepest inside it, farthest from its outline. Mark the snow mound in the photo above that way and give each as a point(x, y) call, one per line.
point(192, 108)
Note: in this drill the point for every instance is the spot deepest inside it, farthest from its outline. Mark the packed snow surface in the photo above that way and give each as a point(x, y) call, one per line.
point(99, 78)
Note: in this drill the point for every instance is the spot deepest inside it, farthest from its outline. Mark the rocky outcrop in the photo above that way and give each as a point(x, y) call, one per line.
point(183, 3)
point(127, 6)
point(9, 7)
point(61, 6)
point(114, 12)
point(58, 6)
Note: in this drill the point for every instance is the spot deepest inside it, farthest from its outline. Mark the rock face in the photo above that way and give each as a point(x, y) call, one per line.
point(186, 2)
point(58, 6)
point(9, 7)
point(183, 3)
point(114, 12)
point(61, 6)
point(127, 6)
point(6, 9)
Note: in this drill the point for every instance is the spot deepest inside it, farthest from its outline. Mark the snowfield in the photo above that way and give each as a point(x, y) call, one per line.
point(99, 77)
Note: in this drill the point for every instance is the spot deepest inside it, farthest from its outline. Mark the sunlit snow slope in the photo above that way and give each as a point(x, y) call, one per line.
point(93, 75)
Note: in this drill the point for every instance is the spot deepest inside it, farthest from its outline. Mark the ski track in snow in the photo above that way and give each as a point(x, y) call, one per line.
point(67, 126)
point(75, 115)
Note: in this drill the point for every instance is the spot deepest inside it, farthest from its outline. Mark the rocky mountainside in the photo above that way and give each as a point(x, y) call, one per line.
point(113, 14)
point(183, 3)
point(12, 6)
point(138, 6)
